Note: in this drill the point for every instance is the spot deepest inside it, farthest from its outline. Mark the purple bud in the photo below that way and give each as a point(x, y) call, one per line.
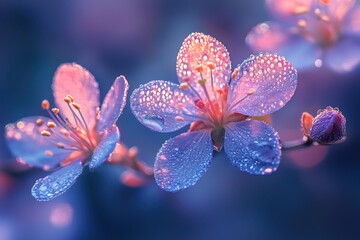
point(329, 126)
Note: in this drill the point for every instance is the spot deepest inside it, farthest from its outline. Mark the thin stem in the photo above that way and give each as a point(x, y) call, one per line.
point(297, 144)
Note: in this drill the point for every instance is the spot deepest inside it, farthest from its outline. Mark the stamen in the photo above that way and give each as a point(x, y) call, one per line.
point(64, 132)
point(211, 66)
point(60, 145)
point(326, 2)
point(179, 118)
point(68, 99)
point(184, 85)
point(302, 23)
point(55, 110)
point(51, 124)
point(45, 133)
point(301, 10)
point(202, 82)
point(235, 73)
point(251, 91)
point(76, 106)
point(199, 68)
point(49, 153)
point(39, 122)
point(186, 79)
point(45, 104)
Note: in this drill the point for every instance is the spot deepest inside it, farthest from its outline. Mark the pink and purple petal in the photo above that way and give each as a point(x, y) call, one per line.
point(26, 143)
point(197, 50)
point(113, 104)
point(72, 79)
point(163, 106)
point(288, 9)
point(253, 146)
point(105, 147)
point(352, 22)
point(344, 55)
point(46, 189)
point(273, 37)
point(265, 83)
point(183, 160)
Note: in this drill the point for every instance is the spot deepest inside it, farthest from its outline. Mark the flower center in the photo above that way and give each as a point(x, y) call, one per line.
point(74, 136)
point(318, 24)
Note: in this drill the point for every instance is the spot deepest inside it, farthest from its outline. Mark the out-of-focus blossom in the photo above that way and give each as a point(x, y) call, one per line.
point(77, 133)
point(217, 110)
point(314, 33)
point(137, 173)
point(328, 127)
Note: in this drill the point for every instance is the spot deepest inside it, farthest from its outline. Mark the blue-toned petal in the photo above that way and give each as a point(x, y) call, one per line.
point(183, 160)
point(273, 37)
point(45, 189)
point(265, 83)
point(253, 146)
point(113, 104)
point(105, 147)
point(26, 142)
point(163, 106)
point(343, 56)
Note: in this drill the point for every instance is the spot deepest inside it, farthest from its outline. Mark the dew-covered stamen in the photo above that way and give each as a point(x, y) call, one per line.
point(77, 107)
point(249, 93)
point(211, 67)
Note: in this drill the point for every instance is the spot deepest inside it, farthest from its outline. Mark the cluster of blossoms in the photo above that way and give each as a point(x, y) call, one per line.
point(312, 32)
point(219, 104)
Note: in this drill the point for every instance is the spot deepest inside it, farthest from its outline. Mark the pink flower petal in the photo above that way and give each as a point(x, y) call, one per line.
point(275, 38)
point(199, 49)
point(288, 9)
point(352, 22)
point(337, 9)
point(113, 104)
point(72, 79)
point(344, 55)
point(265, 84)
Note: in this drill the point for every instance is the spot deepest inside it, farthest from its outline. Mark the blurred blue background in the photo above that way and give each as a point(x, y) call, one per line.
point(313, 195)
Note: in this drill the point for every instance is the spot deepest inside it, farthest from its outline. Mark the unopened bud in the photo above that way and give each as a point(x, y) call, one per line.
point(328, 127)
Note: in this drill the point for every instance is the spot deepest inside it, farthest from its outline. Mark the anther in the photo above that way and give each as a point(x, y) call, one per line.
point(251, 91)
point(302, 23)
point(184, 85)
point(68, 99)
point(211, 66)
point(325, 1)
point(55, 110)
point(45, 133)
point(186, 79)
point(49, 153)
point(51, 124)
point(202, 81)
point(60, 145)
point(65, 133)
point(76, 106)
point(301, 10)
point(39, 122)
point(235, 73)
point(199, 68)
point(179, 118)
point(45, 104)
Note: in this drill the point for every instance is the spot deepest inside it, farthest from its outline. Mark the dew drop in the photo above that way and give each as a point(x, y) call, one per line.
point(154, 121)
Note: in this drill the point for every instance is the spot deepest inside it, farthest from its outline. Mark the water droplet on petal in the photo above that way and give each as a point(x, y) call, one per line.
point(154, 121)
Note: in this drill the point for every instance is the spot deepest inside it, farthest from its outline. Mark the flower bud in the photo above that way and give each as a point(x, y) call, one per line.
point(328, 127)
